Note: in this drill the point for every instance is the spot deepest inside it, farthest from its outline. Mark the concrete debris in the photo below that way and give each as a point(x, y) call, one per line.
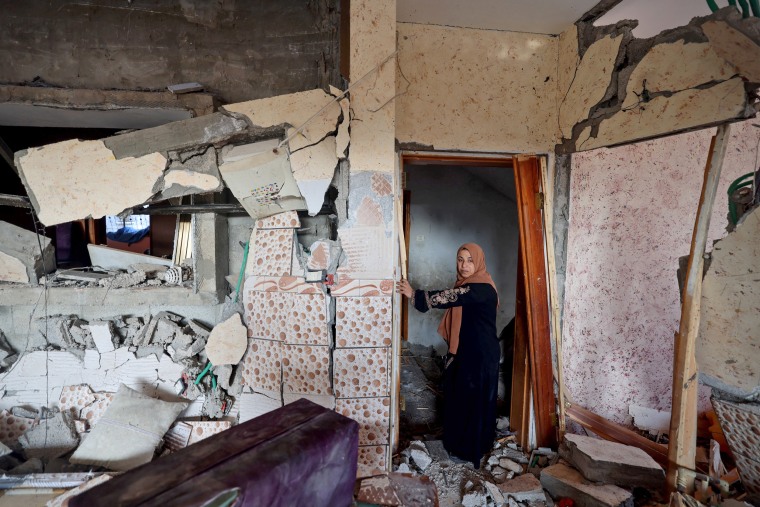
point(525, 488)
point(397, 489)
point(612, 463)
point(223, 375)
point(31, 466)
point(561, 481)
point(151, 270)
point(227, 342)
point(51, 438)
point(474, 499)
point(216, 403)
point(21, 260)
point(161, 329)
point(65, 332)
point(112, 258)
point(8, 356)
point(508, 464)
point(103, 336)
point(403, 468)
point(190, 172)
point(123, 280)
point(157, 350)
point(419, 455)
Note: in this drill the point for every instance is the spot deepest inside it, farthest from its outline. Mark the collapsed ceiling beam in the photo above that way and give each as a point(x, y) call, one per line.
point(17, 201)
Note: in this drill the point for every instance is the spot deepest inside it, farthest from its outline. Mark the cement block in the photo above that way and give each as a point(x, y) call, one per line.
point(611, 462)
point(563, 481)
point(524, 488)
point(21, 260)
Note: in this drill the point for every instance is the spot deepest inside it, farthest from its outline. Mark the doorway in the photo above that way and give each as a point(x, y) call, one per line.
point(495, 202)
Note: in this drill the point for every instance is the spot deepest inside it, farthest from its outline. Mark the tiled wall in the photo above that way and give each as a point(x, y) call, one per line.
point(292, 352)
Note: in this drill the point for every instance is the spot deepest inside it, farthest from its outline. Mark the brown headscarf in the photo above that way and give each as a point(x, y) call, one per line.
point(452, 319)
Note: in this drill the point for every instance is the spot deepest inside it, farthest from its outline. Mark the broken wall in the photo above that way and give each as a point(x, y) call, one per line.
point(476, 90)
point(237, 51)
point(632, 211)
point(614, 88)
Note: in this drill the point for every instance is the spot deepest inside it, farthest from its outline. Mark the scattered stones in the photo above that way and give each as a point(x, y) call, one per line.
point(524, 488)
point(419, 455)
point(508, 464)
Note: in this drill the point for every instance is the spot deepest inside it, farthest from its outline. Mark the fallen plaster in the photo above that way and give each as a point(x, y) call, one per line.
point(728, 346)
point(655, 82)
point(24, 255)
point(313, 169)
point(227, 342)
point(75, 179)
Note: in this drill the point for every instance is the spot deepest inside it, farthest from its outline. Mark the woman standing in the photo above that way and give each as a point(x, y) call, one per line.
point(470, 380)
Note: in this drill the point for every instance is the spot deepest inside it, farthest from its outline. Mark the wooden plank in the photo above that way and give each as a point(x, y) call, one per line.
point(683, 419)
point(556, 330)
point(608, 430)
point(407, 228)
point(519, 412)
point(528, 183)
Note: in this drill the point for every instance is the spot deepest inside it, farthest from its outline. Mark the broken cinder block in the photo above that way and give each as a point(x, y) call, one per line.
point(561, 481)
point(21, 260)
point(611, 462)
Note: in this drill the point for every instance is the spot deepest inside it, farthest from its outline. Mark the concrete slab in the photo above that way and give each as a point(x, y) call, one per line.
point(563, 481)
point(21, 260)
point(611, 462)
point(523, 488)
point(112, 258)
point(51, 438)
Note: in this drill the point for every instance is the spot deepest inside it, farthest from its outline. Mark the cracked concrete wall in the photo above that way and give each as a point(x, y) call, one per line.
point(632, 211)
point(622, 89)
point(476, 90)
point(236, 50)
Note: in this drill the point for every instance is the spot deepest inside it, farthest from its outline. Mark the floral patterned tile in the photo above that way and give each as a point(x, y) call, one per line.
point(377, 287)
point(308, 321)
point(288, 283)
point(288, 219)
point(306, 369)
point(262, 365)
point(363, 322)
point(373, 460)
point(272, 252)
point(261, 283)
point(346, 287)
point(361, 373)
point(373, 416)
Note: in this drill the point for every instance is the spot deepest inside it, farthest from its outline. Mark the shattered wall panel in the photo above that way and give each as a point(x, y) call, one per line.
point(75, 179)
point(632, 211)
point(476, 90)
point(740, 422)
point(728, 345)
point(682, 79)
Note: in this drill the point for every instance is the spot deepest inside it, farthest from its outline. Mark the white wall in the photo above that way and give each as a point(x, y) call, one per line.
point(451, 206)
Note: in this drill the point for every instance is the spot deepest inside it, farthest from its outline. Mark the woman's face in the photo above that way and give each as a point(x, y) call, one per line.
point(465, 264)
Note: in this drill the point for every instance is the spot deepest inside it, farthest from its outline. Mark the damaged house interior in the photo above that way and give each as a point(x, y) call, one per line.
point(206, 210)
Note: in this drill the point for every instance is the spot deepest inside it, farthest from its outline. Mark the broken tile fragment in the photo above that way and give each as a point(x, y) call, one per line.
point(612, 463)
point(12, 427)
point(20, 258)
point(227, 342)
point(562, 481)
point(285, 220)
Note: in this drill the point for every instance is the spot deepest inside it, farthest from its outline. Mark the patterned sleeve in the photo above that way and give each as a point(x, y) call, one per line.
point(424, 300)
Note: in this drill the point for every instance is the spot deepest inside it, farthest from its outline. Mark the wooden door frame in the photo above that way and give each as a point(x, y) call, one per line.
point(537, 370)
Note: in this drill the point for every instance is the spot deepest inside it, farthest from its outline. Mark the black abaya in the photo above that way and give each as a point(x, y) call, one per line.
point(470, 382)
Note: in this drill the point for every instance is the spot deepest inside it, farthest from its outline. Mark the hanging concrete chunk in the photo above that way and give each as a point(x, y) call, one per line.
point(75, 179)
point(295, 110)
point(728, 346)
point(191, 172)
point(313, 168)
point(227, 342)
point(611, 462)
point(260, 177)
point(20, 258)
point(561, 481)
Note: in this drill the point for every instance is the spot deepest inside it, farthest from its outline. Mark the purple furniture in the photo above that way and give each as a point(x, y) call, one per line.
point(300, 454)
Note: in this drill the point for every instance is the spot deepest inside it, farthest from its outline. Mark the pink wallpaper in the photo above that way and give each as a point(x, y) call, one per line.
point(632, 211)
